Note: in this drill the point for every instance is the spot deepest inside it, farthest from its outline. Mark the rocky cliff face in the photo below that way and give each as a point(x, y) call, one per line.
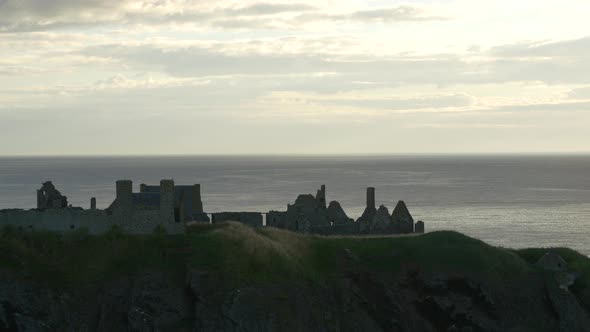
point(354, 300)
point(236, 278)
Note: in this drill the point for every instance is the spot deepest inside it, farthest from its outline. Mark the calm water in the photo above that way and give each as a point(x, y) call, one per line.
point(505, 200)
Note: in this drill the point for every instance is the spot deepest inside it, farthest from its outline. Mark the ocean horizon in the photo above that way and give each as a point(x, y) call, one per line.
point(510, 200)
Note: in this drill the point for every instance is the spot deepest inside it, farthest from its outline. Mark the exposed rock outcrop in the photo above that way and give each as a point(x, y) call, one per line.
point(551, 261)
point(355, 300)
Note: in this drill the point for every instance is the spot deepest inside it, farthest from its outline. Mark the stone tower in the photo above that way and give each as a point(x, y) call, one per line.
point(93, 203)
point(371, 198)
point(370, 211)
point(167, 200)
point(124, 193)
point(419, 227)
point(197, 203)
point(321, 196)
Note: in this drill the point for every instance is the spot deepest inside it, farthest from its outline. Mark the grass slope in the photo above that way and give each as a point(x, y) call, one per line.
point(246, 255)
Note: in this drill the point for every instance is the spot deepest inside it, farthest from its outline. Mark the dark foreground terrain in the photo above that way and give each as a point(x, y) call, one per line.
point(234, 278)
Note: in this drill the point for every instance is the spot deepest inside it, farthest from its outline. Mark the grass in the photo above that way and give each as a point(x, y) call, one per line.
point(246, 255)
point(437, 251)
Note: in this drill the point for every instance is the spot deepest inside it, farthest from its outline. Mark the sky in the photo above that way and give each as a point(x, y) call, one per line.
point(119, 77)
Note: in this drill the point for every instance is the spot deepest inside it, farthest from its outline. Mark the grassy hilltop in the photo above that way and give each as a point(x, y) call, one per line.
point(246, 258)
point(248, 255)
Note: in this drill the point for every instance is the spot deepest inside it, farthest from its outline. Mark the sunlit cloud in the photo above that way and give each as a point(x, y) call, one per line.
point(80, 71)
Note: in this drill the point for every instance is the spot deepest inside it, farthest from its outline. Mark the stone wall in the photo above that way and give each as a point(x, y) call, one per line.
point(187, 200)
point(276, 219)
point(58, 220)
point(94, 221)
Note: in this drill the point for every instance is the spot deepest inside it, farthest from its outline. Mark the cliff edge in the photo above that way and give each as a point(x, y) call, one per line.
point(231, 277)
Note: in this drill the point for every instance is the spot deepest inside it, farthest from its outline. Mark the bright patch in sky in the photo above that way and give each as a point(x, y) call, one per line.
point(262, 76)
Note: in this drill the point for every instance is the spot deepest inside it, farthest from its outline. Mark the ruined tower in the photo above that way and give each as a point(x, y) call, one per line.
point(124, 194)
point(419, 227)
point(50, 198)
point(197, 203)
point(167, 199)
point(321, 196)
point(93, 203)
point(371, 198)
point(370, 210)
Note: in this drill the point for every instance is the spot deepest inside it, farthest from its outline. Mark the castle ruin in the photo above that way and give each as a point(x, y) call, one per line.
point(171, 206)
point(50, 198)
point(309, 214)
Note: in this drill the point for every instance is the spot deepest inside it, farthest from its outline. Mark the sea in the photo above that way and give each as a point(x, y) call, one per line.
point(506, 200)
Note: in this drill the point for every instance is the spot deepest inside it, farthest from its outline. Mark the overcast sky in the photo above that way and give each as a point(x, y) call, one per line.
point(309, 76)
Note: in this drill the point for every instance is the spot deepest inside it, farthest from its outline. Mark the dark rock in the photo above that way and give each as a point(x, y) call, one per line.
point(572, 316)
point(551, 261)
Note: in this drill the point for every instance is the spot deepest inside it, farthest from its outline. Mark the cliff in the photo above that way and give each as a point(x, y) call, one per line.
point(234, 278)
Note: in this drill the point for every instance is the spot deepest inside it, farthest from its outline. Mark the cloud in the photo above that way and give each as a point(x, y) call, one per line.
point(456, 101)
point(34, 15)
point(41, 15)
point(562, 106)
point(383, 15)
point(388, 70)
point(543, 49)
point(270, 9)
point(580, 93)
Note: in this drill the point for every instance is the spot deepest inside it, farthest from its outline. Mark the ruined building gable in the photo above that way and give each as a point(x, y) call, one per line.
point(48, 197)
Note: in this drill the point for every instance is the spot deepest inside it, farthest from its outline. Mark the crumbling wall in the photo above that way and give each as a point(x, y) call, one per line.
point(48, 197)
point(187, 200)
point(94, 221)
point(146, 221)
point(58, 220)
point(307, 211)
point(419, 227)
point(381, 222)
point(336, 214)
point(276, 219)
point(402, 218)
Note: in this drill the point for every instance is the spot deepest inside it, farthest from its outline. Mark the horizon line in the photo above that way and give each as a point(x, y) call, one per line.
point(351, 154)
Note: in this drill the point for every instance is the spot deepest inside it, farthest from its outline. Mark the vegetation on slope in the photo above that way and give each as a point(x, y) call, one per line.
point(246, 255)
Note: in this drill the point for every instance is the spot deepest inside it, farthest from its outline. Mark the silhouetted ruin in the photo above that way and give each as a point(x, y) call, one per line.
point(309, 215)
point(171, 206)
point(50, 198)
